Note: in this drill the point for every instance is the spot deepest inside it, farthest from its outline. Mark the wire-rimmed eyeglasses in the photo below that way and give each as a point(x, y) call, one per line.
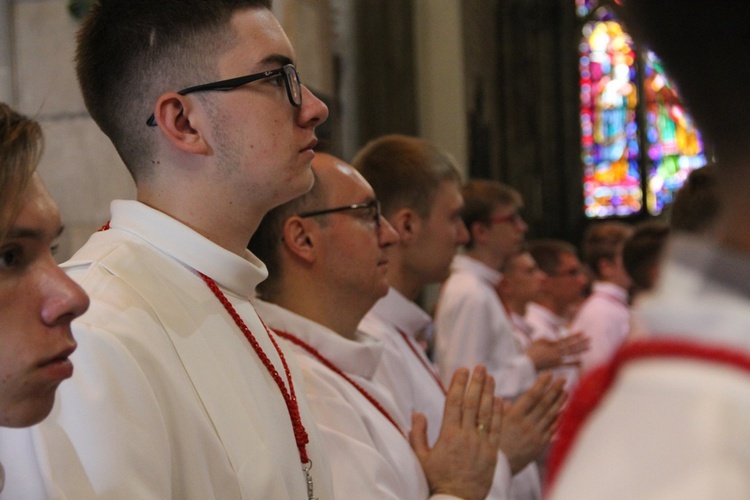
point(288, 72)
point(372, 206)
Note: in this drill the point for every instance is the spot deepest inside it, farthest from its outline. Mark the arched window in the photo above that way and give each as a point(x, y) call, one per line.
point(637, 142)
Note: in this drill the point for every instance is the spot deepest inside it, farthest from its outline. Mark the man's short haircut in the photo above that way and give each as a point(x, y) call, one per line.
point(481, 198)
point(604, 240)
point(643, 250)
point(268, 238)
point(696, 204)
point(548, 253)
point(21, 144)
point(129, 52)
point(405, 172)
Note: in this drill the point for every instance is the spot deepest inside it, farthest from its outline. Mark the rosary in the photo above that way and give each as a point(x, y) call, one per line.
point(300, 434)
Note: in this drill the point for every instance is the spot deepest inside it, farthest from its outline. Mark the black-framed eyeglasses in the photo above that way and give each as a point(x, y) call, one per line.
point(288, 72)
point(372, 207)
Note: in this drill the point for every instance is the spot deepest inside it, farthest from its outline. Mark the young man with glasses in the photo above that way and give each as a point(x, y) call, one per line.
point(327, 253)
point(472, 325)
point(604, 317)
point(179, 391)
point(562, 290)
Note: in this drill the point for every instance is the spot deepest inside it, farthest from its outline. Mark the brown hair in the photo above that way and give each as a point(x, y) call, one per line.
point(129, 52)
point(21, 144)
point(643, 250)
point(696, 204)
point(547, 253)
point(481, 197)
point(604, 240)
point(405, 172)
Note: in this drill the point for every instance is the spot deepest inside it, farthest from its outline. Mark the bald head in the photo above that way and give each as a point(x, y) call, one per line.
point(329, 169)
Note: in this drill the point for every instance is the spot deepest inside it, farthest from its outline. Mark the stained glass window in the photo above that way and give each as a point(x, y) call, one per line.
point(637, 142)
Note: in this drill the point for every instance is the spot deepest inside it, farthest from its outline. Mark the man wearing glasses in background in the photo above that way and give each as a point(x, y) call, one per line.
point(179, 390)
point(327, 254)
point(562, 290)
point(471, 323)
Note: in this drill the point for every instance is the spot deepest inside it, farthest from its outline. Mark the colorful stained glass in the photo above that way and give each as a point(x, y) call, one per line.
point(673, 143)
point(609, 130)
point(623, 141)
point(585, 7)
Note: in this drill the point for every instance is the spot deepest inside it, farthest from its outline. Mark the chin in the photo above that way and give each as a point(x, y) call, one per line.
point(304, 182)
point(31, 414)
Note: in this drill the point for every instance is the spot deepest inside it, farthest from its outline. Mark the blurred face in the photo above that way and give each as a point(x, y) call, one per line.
point(506, 231)
point(523, 278)
point(263, 142)
point(440, 235)
point(354, 241)
point(567, 284)
point(37, 303)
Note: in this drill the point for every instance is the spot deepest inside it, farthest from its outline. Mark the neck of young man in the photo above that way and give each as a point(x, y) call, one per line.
point(487, 257)
point(406, 282)
point(230, 230)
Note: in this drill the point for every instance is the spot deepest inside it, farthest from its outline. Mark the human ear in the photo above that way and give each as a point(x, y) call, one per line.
point(299, 238)
point(407, 224)
point(478, 231)
point(178, 120)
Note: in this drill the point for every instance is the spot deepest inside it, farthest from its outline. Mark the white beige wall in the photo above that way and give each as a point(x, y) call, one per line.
point(80, 167)
point(440, 75)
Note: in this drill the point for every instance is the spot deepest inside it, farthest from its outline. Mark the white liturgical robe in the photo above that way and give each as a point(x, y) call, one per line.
point(472, 327)
point(370, 457)
point(604, 318)
point(168, 398)
point(547, 325)
point(409, 376)
point(675, 428)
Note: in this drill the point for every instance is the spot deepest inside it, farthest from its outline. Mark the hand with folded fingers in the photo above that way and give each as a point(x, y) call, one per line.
point(463, 459)
point(530, 421)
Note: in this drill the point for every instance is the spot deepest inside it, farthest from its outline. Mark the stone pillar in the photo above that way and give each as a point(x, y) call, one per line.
point(6, 60)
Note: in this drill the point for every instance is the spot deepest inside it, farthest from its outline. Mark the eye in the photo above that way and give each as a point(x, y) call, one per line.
point(277, 80)
point(10, 257)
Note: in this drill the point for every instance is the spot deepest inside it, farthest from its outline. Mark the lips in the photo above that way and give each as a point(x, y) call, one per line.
point(60, 358)
point(310, 145)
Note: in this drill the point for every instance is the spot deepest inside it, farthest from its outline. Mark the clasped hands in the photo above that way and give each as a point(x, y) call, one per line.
point(477, 426)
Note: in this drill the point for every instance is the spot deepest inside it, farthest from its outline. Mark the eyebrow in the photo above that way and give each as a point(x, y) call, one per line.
point(279, 59)
point(32, 234)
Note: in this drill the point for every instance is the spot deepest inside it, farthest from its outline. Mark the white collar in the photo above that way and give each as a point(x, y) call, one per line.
point(401, 312)
point(610, 289)
point(357, 357)
point(466, 264)
point(236, 274)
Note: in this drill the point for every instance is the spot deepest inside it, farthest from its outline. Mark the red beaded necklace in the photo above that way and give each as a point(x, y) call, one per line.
point(290, 398)
point(304, 345)
point(429, 369)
